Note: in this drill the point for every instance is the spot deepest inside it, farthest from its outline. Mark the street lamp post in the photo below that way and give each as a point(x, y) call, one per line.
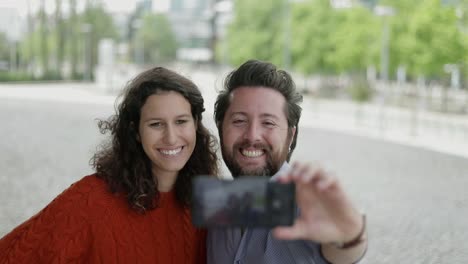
point(385, 12)
point(86, 30)
point(287, 57)
point(223, 10)
point(13, 56)
point(287, 35)
point(138, 49)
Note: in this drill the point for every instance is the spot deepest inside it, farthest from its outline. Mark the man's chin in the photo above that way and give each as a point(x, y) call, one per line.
point(241, 167)
point(253, 171)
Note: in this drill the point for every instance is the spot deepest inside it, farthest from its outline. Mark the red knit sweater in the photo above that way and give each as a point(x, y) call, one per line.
point(88, 224)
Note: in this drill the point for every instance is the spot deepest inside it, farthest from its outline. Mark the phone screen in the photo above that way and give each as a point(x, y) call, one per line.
point(244, 202)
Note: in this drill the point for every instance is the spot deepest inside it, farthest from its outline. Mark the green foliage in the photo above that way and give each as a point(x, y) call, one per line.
point(360, 90)
point(158, 39)
point(27, 77)
point(50, 44)
point(312, 27)
point(436, 42)
point(4, 47)
point(101, 26)
point(356, 41)
point(15, 77)
point(256, 31)
point(424, 36)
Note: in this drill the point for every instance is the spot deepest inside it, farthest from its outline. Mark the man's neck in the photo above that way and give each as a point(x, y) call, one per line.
point(283, 168)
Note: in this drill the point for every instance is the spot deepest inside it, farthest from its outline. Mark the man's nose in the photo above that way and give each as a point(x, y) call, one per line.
point(253, 132)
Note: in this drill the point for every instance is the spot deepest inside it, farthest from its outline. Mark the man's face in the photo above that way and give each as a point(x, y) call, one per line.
point(255, 138)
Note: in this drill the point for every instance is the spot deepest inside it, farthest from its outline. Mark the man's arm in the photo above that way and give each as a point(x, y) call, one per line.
point(327, 215)
point(348, 252)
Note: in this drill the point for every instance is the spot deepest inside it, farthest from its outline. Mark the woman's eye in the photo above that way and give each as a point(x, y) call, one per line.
point(156, 124)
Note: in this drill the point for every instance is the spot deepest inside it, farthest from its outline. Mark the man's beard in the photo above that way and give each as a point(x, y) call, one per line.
point(273, 164)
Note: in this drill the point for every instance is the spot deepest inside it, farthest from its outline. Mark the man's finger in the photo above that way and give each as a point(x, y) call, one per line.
point(288, 233)
point(284, 177)
point(326, 183)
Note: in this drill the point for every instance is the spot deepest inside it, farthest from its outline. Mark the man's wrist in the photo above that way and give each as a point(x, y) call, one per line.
point(359, 238)
point(351, 251)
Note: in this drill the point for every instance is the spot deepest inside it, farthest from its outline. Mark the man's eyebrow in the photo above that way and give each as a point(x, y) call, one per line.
point(264, 115)
point(238, 113)
point(269, 116)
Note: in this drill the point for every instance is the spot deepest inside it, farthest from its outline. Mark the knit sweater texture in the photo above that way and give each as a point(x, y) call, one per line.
point(89, 224)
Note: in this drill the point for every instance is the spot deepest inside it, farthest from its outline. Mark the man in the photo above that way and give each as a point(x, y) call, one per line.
point(257, 115)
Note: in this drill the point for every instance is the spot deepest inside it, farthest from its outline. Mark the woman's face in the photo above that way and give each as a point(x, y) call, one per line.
point(167, 132)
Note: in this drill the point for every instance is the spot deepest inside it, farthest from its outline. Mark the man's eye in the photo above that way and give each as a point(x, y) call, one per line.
point(181, 121)
point(238, 121)
point(269, 124)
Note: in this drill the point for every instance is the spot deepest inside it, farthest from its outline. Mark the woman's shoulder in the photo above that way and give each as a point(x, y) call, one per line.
point(63, 225)
point(91, 196)
point(79, 192)
point(87, 184)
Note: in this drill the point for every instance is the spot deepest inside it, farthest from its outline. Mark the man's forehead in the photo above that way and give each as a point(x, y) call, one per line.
point(256, 93)
point(263, 101)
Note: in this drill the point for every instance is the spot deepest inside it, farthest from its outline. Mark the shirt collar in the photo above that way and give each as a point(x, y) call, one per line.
point(283, 168)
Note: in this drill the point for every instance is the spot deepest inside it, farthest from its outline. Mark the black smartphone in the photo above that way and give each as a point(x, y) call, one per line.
point(248, 201)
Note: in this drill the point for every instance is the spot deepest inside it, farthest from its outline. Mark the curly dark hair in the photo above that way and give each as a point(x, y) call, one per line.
point(122, 162)
point(255, 73)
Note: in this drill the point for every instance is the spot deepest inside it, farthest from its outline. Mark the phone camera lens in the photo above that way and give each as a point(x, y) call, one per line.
point(276, 204)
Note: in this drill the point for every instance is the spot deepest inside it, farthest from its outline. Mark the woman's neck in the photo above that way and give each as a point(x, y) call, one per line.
point(165, 179)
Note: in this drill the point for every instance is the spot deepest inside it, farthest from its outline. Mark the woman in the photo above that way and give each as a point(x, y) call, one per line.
point(135, 208)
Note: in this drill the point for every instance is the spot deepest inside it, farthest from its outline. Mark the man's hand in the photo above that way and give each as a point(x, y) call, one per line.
point(326, 214)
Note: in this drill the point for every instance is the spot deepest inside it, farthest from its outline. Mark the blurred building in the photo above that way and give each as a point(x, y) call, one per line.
point(192, 24)
point(11, 23)
point(12, 27)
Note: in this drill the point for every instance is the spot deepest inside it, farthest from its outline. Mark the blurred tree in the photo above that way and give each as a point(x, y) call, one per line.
point(43, 43)
point(100, 25)
point(4, 47)
point(60, 37)
point(73, 39)
point(313, 25)
point(39, 42)
point(27, 56)
point(29, 46)
point(462, 12)
point(156, 38)
point(356, 40)
point(434, 40)
point(256, 31)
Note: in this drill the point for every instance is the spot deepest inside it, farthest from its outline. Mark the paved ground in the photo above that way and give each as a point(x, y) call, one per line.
point(415, 199)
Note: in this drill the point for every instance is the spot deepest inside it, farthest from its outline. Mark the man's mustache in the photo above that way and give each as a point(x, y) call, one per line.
point(248, 144)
